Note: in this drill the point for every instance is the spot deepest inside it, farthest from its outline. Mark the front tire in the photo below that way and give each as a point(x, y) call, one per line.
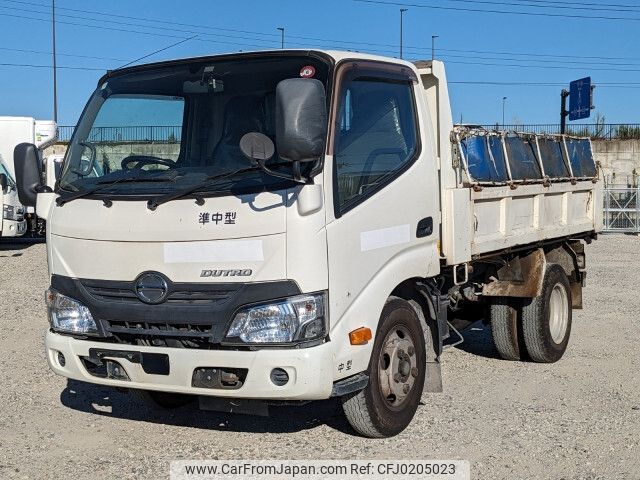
point(546, 321)
point(397, 372)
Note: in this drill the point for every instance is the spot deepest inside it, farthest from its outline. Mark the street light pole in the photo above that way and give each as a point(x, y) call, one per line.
point(433, 47)
point(402, 10)
point(504, 101)
point(55, 72)
point(281, 37)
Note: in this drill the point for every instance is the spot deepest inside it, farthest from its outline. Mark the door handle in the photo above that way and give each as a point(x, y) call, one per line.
point(425, 227)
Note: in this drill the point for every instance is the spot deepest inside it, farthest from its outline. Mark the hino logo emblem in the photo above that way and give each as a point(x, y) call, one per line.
point(227, 273)
point(151, 287)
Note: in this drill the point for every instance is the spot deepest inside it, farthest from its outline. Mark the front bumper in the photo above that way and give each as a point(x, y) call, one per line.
point(310, 369)
point(12, 228)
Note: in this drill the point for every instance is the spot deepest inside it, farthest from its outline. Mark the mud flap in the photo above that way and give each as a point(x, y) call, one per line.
point(434, 334)
point(521, 277)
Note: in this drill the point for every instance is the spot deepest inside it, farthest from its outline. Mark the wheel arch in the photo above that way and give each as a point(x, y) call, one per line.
point(522, 274)
point(425, 301)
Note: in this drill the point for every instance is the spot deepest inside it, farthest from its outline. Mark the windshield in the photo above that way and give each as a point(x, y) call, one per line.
point(10, 182)
point(161, 130)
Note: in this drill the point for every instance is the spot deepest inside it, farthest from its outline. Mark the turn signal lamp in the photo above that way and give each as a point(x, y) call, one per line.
point(360, 336)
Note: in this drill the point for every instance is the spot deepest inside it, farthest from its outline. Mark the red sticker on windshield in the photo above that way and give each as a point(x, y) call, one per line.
point(308, 72)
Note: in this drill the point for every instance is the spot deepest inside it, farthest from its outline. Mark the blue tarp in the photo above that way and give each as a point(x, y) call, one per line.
point(553, 160)
point(581, 157)
point(485, 157)
point(522, 159)
point(482, 167)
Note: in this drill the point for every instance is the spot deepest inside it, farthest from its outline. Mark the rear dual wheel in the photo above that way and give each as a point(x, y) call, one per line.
point(546, 320)
point(537, 328)
point(505, 327)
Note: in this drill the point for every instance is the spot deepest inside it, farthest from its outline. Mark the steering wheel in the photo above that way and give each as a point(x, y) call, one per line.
point(140, 161)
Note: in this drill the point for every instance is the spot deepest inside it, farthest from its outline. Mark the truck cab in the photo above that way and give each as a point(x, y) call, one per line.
point(13, 212)
point(261, 227)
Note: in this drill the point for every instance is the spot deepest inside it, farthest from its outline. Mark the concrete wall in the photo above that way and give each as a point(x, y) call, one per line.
point(55, 149)
point(620, 160)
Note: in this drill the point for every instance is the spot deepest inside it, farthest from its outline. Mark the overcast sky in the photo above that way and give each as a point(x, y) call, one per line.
point(546, 44)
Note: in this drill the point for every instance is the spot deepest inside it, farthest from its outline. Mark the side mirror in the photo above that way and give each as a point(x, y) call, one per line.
point(28, 167)
point(301, 119)
point(4, 182)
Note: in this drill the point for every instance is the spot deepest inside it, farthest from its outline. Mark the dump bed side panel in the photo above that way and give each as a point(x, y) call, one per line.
point(518, 189)
point(504, 217)
point(500, 190)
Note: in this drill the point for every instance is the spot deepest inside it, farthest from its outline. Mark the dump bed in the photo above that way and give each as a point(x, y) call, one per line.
point(518, 189)
point(500, 190)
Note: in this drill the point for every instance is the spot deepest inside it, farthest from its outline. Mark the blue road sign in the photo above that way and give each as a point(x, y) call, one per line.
point(580, 99)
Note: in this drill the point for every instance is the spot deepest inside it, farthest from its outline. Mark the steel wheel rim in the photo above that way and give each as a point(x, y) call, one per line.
point(558, 313)
point(397, 367)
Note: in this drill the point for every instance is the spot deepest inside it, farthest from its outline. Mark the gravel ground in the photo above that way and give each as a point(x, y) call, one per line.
point(577, 419)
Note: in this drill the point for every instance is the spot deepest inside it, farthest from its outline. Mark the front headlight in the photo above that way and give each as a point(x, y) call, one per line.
point(68, 315)
point(295, 319)
point(8, 212)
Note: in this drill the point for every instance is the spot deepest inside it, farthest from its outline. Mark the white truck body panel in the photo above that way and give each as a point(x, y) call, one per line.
point(504, 218)
point(359, 257)
point(479, 221)
point(52, 166)
point(16, 130)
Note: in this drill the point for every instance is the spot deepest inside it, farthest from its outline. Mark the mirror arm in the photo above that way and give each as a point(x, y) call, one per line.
point(44, 189)
point(296, 177)
point(295, 167)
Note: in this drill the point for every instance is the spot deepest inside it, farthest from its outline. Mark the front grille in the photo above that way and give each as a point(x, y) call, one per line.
point(194, 315)
point(185, 297)
point(115, 294)
point(190, 297)
point(161, 334)
point(160, 329)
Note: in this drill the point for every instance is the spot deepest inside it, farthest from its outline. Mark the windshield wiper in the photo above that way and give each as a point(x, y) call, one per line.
point(104, 184)
point(157, 201)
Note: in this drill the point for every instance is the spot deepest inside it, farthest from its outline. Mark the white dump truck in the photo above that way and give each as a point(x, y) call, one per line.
point(13, 223)
point(16, 130)
point(260, 228)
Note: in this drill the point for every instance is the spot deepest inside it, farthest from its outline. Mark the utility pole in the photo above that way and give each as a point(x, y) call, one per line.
point(55, 79)
point(433, 47)
point(402, 10)
point(564, 94)
point(281, 37)
point(504, 101)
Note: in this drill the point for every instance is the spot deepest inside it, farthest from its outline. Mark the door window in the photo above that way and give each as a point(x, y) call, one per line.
point(376, 137)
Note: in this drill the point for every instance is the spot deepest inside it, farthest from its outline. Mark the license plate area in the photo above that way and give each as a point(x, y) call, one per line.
point(151, 363)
